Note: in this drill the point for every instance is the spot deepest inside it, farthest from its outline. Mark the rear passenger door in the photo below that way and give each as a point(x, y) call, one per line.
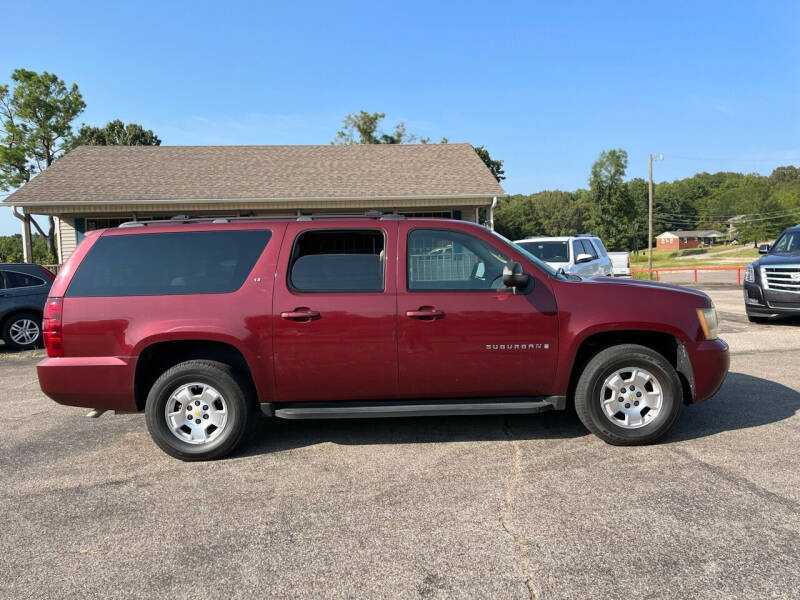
point(335, 311)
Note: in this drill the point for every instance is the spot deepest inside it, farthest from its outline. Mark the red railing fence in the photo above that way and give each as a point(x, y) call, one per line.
point(695, 270)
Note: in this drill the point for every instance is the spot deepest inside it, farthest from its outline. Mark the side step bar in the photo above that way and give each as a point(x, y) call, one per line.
point(411, 408)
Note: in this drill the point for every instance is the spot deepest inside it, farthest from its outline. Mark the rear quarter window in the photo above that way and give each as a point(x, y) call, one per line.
point(15, 279)
point(155, 264)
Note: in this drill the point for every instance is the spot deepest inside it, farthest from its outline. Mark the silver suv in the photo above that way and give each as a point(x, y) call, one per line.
point(580, 254)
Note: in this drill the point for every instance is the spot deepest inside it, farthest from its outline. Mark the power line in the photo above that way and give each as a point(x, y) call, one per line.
point(755, 214)
point(733, 158)
point(700, 218)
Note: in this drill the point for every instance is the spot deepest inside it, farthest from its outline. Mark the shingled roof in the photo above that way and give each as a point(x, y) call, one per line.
point(145, 174)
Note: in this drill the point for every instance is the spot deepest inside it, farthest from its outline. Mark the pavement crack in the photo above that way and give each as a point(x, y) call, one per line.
point(505, 512)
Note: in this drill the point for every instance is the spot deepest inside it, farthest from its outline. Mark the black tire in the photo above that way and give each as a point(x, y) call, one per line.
point(590, 386)
point(754, 319)
point(19, 318)
point(222, 378)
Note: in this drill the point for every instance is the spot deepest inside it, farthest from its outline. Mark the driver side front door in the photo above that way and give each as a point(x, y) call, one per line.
point(460, 334)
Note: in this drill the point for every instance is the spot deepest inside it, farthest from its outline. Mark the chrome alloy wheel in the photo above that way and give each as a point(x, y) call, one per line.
point(631, 397)
point(196, 413)
point(24, 332)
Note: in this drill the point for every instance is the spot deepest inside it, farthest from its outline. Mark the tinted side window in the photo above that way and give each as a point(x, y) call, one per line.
point(15, 279)
point(154, 264)
point(601, 249)
point(452, 261)
point(338, 261)
point(589, 249)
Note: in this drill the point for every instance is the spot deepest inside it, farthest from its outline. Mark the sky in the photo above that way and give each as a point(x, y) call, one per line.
point(544, 86)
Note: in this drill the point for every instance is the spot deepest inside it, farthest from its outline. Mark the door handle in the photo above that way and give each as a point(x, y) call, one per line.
point(425, 313)
point(300, 314)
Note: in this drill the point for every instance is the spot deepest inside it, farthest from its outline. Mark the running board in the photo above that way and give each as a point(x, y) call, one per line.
point(412, 408)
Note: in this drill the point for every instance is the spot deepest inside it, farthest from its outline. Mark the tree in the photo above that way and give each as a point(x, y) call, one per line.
point(788, 174)
point(363, 128)
point(611, 212)
point(11, 249)
point(495, 166)
point(36, 115)
point(115, 133)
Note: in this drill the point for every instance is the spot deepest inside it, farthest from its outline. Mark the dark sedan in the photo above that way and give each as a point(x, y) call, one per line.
point(23, 291)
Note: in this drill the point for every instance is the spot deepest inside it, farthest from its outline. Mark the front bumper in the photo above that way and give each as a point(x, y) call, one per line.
point(760, 302)
point(710, 361)
point(89, 381)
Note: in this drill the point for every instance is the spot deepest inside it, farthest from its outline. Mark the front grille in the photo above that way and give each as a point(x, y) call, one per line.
point(781, 278)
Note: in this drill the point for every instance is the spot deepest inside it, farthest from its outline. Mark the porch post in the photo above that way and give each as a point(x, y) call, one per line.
point(27, 250)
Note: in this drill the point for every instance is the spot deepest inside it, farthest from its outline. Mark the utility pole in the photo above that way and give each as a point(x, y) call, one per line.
point(650, 220)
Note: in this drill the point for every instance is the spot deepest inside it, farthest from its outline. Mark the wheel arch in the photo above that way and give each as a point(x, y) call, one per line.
point(159, 356)
point(670, 346)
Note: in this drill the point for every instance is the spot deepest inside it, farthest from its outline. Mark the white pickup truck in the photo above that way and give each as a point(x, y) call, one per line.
point(620, 263)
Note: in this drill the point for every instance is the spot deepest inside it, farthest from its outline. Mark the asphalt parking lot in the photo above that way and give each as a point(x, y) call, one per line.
point(468, 507)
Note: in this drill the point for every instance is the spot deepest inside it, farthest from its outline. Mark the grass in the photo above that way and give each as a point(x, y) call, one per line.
point(711, 258)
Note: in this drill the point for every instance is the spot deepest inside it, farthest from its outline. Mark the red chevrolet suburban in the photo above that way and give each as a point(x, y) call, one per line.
point(199, 322)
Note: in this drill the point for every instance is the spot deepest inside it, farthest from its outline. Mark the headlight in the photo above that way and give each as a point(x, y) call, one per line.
point(750, 274)
point(708, 322)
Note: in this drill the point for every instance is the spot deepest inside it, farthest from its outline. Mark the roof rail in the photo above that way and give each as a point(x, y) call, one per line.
point(370, 214)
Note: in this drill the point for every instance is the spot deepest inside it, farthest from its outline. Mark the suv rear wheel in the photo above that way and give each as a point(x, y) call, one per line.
point(23, 331)
point(628, 395)
point(197, 410)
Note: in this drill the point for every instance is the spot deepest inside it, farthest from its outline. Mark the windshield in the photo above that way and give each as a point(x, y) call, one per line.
point(788, 243)
point(553, 251)
point(537, 261)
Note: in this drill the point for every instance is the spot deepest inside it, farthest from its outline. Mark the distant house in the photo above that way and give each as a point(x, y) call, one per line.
point(95, 187)
point(680, 239)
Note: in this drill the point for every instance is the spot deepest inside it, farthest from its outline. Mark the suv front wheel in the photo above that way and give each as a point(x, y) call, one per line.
point(628, 395)
point(197, 410)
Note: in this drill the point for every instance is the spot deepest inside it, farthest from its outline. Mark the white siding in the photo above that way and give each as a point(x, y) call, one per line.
point(67, 238)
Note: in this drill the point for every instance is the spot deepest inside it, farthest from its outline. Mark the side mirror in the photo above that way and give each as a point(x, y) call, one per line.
point(764, 249)
point(582, 258)
point(514, 276)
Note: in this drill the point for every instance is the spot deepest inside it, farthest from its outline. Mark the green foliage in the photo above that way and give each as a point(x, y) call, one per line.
point(11, 249)
point(691, 252)
point(611, 208)
point(752, 207)
point(495, 166)
point(36, 116)
point(544, 213)
point(115, 133)
point(364, 128)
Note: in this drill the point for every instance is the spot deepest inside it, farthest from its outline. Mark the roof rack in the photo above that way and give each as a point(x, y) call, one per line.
point(370, 214)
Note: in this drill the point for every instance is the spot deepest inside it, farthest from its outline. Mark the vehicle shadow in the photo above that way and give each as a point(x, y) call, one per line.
point(743, 401)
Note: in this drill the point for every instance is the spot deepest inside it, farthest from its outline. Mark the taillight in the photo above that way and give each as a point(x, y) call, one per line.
point(51, 327)
point(47, 272)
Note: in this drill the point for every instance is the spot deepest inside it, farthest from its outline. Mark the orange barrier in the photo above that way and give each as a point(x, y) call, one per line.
point(738, 270)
